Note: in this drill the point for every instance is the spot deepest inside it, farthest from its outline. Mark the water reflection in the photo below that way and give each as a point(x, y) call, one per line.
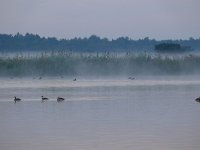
point(159, 116)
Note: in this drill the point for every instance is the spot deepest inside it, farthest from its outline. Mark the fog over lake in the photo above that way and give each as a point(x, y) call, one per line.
point(99, 75)
point(100, 113)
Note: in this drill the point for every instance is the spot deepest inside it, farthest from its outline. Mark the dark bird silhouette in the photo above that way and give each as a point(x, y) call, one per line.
point(131, 78)
point(16, 99)
point(197, 99)
point(74, 79)
point(40, 78)
point(44, 98)
point(60, 99)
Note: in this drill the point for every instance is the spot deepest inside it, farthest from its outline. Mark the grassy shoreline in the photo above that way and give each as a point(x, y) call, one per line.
point(105, 64)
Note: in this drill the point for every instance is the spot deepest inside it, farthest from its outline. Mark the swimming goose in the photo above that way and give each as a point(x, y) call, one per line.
point(60, 99)
point(16, 99)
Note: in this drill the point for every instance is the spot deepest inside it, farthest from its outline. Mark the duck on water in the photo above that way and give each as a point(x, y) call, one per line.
point(197, 99)
point(131, 78)
point(16, 99)
point(44, 98)
point(60, 99)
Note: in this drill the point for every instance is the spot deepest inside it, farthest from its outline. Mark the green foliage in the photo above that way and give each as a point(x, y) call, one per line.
point(170, 48)
point(31, 42)
point(69, 64)
point(167, 46)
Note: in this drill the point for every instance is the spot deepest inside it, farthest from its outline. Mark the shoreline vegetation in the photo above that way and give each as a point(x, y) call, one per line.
point(98, 64)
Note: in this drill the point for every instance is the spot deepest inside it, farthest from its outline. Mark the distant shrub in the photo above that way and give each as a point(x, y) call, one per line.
point(170, 48)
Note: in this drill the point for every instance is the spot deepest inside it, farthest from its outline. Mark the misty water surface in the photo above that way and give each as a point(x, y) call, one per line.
point(145, 113)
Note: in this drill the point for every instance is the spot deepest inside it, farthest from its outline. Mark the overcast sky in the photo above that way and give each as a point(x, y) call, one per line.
point(159, 19)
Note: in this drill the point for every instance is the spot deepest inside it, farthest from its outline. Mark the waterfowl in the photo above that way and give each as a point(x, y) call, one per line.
point(44, 98)
point(74, 79)
point(16, 99)
point(131, 78)
point(60, 99)
point(197, 99)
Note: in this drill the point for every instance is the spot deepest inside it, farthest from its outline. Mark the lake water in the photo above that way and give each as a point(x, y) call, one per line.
point(157, 113)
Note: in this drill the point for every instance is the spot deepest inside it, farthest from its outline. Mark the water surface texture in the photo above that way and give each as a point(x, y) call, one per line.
point(108, 114)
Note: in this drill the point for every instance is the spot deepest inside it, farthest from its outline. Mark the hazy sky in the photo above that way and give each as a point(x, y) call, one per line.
point(160, 19)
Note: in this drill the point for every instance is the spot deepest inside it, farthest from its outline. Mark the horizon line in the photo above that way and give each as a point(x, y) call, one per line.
point(101, 37)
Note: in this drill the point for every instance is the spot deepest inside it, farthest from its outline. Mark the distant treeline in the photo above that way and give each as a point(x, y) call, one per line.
point(33, 42)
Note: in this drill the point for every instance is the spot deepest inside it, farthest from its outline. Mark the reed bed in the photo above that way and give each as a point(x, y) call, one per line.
point(69, 64)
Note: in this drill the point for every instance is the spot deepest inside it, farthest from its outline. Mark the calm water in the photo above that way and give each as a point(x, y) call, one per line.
point(143, 114)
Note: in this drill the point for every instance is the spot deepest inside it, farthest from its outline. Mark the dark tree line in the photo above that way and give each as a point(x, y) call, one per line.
point(33, 42)
point(171, 48)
